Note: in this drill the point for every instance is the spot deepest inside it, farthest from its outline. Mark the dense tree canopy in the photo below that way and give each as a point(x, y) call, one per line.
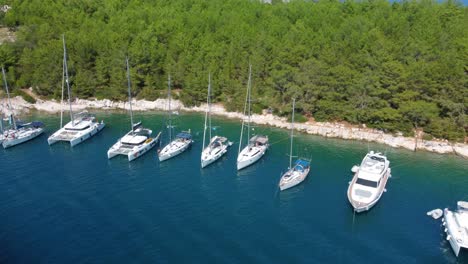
point(394, 66)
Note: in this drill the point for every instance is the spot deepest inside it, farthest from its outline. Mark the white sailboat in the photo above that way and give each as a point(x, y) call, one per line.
point(297, 173)
point(217, 145)
point(456, 227)
point(19, 132)
point(138, 140)
point(182, 141)
point(258, 144)
point(369, 181)
point(82, 125)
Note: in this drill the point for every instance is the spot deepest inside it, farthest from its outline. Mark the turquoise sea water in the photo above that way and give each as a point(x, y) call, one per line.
point(73, 205)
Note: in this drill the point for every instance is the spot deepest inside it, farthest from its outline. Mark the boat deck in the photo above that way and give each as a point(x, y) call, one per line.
point(123, 149)
point(66, 135)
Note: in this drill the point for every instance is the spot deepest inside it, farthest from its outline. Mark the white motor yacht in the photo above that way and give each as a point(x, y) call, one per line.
point(369, 182)
point(456, 227)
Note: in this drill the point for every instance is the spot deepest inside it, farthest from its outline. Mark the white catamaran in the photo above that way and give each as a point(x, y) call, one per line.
point(456, 227)
point(182, 141)
point(297, 173)
point(369, 181)
point(82, 125)
point(19, 132)
point(138, 140)
point(218, 145)
point(258, 144)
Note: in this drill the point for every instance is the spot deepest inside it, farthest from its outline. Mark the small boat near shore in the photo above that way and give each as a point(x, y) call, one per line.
point(138, 140)
point(258, 144)
point(182, 141)
point(369, 182)
point(81, 126)
point(217, 146)
point(456, 227)
point(18, 132)
point(297, 173)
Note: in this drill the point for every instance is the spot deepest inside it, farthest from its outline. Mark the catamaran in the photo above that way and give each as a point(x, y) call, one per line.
point(218, 145)
point(456, 227)
point(258, 144)
point(182, 141)
point(138, 140)
point(19, 132)
point(82, 125)
point(297, 173)
point(369, 181)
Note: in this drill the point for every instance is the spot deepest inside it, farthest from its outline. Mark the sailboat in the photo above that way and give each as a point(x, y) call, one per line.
point(182, 141)
point(258, 144)
point(217, 145)
point(369, 181)
point(297, 173)
point(19, 132)
point(138, 140)
point(82, 125)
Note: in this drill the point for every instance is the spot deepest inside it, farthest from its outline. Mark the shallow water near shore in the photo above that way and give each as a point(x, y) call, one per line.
point(66, 205)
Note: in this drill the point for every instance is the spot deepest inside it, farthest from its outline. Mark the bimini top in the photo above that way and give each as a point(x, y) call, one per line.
point(184, 135)
point(302, 163)
point(34, 124)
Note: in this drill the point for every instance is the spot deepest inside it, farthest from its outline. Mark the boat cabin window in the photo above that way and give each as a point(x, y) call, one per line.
point(367, 183)
point(77, 129)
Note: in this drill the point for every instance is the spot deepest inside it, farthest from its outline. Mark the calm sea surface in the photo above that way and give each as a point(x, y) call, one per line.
point(73, 205)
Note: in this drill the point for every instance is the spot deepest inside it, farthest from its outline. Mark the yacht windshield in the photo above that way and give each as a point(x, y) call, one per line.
point(367, 183)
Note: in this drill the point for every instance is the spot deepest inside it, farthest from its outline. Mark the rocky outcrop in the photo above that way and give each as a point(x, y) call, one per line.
point(326, 129)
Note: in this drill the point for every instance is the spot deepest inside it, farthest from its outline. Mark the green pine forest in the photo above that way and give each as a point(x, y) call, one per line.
point(395, 66)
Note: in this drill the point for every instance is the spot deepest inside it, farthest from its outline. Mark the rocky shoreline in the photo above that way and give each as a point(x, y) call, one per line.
point(326, 129)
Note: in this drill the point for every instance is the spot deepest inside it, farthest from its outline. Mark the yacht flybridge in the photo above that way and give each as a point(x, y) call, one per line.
point(297, 173)
point(456, 227)
point(138, 140)
point(82, 125)
point(18, 132)
point(258, 144)
point(182, 141)
point(218, 145)
point(369, 182)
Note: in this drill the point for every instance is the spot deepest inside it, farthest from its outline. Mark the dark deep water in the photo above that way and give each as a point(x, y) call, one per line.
point(73, 205)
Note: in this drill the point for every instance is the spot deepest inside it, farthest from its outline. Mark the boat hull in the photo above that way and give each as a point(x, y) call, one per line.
point(245, 162)
point(171, 154)
point(134, 153)
point(7, 143)
point(454, 233)
point(286, 185)
point(207, 161)
point(80, 137)
point(362, 207)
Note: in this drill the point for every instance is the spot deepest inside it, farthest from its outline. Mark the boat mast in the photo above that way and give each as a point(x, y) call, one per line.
point(129, 93)
point(169, 106)
point(67, 80)
point(250, 96)
point(63, 92)
point(207, 110)
point(9, 100)
point(209, 103)
point(292, 133)
point(243, 117)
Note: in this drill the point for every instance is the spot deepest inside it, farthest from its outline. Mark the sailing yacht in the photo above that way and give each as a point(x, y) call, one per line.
point(369, 181)
point(258, 144)
point(138, 140)
point(456, 227)
point(82, 125)
point(19, 132)
point(218, 145)
point(182, 141)
point(297, 173)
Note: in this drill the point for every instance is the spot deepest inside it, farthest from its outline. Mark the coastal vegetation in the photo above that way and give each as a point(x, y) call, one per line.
point(395, 66)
